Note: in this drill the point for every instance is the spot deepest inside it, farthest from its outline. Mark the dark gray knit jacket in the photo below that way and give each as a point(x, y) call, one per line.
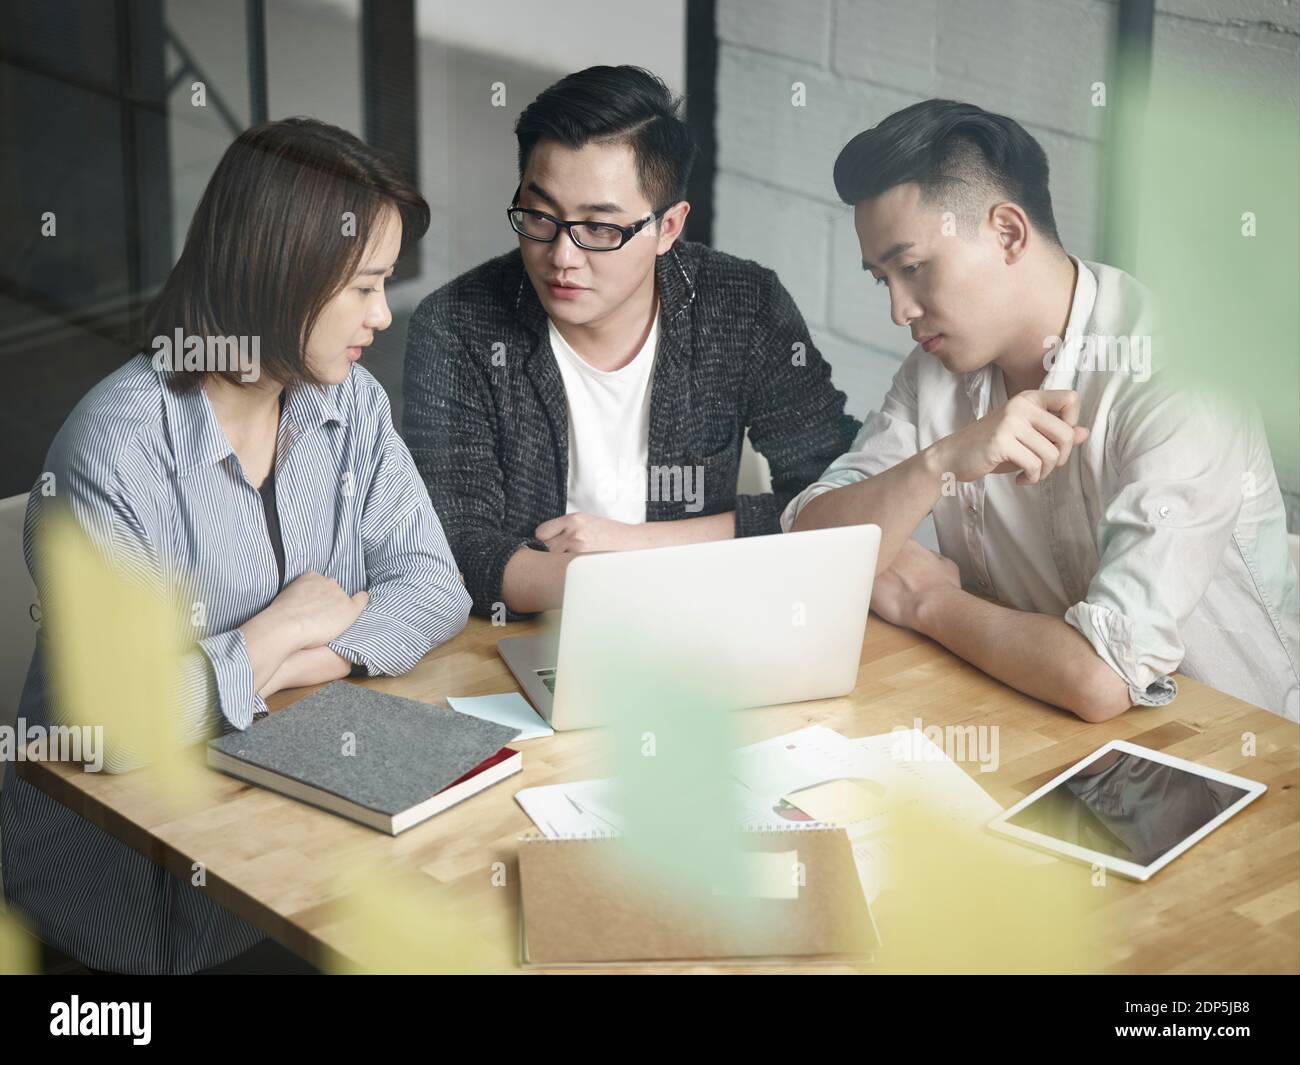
point(486, 419)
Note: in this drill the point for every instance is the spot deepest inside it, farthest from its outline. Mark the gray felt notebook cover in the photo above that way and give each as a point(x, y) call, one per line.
point(405, 751)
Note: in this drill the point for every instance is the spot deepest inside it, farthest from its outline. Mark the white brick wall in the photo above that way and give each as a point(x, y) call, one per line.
point(762, 135)
point(1278, 14)
point(888, 43)
point(860, 60)
point(1261, 59)
point(796, 30)
point(790, 234)
point(1033, 60)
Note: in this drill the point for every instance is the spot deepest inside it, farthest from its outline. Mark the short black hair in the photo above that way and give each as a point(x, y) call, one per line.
point(958, 153)
point(611, 105)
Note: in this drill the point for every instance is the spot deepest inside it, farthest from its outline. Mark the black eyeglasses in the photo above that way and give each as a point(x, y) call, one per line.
point(590, 236)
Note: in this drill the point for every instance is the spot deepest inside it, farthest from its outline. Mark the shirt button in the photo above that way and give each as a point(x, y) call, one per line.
point(1164, 511)
point(974, 509)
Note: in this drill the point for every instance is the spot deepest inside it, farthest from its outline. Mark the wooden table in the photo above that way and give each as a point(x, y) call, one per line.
point(1230, 905)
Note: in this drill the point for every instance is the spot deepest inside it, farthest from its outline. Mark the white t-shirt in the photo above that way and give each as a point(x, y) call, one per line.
point(609, 430)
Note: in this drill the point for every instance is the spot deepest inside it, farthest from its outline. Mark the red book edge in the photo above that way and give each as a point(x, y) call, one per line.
point(487, 763)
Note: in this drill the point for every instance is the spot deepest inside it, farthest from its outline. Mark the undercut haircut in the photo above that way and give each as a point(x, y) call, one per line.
point(963, 158)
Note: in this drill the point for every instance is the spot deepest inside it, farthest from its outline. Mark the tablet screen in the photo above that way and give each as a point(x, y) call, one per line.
point(1127, 807)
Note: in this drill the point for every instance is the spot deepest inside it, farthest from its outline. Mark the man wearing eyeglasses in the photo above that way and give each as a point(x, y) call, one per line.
point(591, 390)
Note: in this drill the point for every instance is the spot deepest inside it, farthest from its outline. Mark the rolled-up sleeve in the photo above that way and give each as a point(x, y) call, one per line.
point(1179, 459)
point(889, 436)
point(113, 508)
point(221, 673)
point(417, 599)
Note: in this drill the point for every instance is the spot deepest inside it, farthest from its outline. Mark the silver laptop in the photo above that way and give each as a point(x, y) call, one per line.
point(730, 624)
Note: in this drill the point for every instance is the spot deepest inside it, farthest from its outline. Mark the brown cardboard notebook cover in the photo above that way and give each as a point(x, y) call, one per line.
point(582, 902)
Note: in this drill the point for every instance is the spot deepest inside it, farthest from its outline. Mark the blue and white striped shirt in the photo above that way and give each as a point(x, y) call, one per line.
point(152, 479)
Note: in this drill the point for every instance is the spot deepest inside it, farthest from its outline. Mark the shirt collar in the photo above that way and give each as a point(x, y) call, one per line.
point(309, 406)
point(196, 436)
point(1062, 373)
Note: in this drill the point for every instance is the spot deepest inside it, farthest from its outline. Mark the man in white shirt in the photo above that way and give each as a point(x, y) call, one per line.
point(1099, 528)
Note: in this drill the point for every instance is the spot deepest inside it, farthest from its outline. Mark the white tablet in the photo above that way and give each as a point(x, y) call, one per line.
point(1127, 808)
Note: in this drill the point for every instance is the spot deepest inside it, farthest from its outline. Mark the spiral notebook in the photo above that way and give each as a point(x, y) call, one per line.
point(586, 902)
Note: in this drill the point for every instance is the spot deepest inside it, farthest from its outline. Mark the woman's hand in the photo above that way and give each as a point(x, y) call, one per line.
point(307, 614)
point(317, 609)
point(312, 665)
